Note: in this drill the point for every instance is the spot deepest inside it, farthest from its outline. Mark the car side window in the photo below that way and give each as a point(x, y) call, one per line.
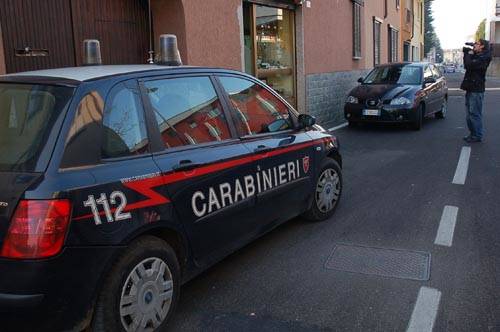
point(257, 109)
point(436, 72)
point(124, 127)
point(428, 72)
point(187, 111)
point(86, 126)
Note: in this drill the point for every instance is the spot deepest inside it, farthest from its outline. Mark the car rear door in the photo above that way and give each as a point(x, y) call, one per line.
point(108, 139)
point(204, 167)
point(283, 155)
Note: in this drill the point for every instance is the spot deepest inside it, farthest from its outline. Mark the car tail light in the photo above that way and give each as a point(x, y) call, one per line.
point(37, 230)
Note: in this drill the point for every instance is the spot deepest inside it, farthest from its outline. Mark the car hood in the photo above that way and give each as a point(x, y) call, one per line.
point(381, 91)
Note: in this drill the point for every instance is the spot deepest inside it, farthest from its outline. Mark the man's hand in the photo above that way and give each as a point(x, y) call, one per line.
point(466, 49)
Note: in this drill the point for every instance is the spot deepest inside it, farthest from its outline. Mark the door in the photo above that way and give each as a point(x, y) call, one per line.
point(282, 154)
point(440, 89)
point(120, 25)
point(207, 172)
point(37, 34)
point(117, 204)
point(431, 90)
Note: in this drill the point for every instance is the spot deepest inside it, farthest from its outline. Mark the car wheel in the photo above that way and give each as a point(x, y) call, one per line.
point(419, 117)
point(141, 290)
point(444, 109)
point(327, 192)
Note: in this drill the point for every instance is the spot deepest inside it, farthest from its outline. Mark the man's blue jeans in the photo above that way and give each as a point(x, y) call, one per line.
point(474, 105)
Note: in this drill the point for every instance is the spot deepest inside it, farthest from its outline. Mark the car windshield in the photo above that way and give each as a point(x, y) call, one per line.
point(27, 116)
point(401, 74)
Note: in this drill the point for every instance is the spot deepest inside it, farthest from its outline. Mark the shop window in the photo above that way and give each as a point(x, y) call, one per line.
point(256, 109)
point(356, 30)
point(269, 47)
point(377, 26)
point(188, 111)
point(124, 127)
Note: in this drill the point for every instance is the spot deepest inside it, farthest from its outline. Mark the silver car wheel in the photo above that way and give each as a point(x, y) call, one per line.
point(146, 296)
point(327, 190)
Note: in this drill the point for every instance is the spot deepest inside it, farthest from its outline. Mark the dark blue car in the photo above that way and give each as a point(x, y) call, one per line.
point(120, 183)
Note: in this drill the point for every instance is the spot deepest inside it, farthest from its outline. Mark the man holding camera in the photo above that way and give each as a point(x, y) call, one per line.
point(476, 62)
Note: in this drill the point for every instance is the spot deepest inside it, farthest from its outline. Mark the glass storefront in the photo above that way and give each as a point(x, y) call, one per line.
point(270, 47)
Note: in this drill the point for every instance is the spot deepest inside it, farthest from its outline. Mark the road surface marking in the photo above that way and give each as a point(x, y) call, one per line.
point(463, 166)
point(339, 126)
point(425, 311)
point(487, 89)
point(446, 228)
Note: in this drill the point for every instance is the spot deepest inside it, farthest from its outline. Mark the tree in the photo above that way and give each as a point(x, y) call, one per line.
point(481, 30)
point(430, 38)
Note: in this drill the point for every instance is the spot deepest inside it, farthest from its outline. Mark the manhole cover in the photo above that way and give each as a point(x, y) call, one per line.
point(394, 263)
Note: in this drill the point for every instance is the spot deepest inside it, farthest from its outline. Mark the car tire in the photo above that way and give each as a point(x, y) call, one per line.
point(419, 118)
point(327, 192)
point(149, 269)
point(444, 109)
point(352, 124)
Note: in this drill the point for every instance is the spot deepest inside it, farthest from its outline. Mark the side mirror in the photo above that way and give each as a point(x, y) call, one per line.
point(429, 80)
point(306, 120)
point(360, 80)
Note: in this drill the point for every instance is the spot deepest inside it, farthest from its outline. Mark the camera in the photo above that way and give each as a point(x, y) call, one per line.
point(468, 48)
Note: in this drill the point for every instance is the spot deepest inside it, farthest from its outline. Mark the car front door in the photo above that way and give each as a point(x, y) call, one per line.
point(204, 167)
point(431, 91)
point(283, 155)
point(440, 88)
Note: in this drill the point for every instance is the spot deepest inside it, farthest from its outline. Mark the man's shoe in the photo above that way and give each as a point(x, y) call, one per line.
point(473, 139)
point(467, 138)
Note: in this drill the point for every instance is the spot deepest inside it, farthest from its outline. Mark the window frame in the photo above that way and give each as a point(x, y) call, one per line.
point(377, 22)
point(157, 145)
point(132, 85)
point(357, 34)
point(291, 111)
point(393, 44)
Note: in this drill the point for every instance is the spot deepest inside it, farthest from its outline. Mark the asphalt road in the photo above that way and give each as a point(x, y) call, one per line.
point(396, 185)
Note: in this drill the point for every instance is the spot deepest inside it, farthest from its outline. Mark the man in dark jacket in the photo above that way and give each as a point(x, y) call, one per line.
point(476, 62)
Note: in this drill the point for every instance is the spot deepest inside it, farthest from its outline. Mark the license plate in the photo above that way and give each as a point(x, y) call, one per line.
point(371, 112)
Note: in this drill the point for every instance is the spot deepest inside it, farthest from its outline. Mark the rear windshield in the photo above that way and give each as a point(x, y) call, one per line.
point(398, 74)
point(27, 116)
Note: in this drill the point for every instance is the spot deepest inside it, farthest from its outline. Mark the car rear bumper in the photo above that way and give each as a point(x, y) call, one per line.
point(388, 114)
point(54, 294)
point(16, 301)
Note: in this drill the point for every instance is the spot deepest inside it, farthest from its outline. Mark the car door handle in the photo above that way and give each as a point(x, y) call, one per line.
point(262, 148)
point(185, 165)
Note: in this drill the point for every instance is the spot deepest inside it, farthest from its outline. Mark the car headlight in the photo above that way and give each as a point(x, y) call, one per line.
point(401, 101)
point(351, 100)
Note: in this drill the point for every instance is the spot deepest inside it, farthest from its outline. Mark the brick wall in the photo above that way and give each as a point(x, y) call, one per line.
point(326, 93)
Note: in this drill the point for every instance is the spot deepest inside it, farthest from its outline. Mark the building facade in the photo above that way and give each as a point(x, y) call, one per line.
point(311, 52)
point(412, 26)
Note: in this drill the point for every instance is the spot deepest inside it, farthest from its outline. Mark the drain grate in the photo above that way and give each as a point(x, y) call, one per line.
point(394, 263)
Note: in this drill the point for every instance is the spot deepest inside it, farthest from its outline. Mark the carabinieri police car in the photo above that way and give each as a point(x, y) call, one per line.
point(120, 183)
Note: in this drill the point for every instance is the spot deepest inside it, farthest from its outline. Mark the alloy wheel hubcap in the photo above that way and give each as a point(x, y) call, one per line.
point(327, 190)
point(146, 296)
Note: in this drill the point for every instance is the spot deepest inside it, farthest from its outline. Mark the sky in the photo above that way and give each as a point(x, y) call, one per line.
point(456, 21)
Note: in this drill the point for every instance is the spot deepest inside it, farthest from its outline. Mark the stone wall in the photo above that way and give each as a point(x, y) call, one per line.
point(326, 94)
